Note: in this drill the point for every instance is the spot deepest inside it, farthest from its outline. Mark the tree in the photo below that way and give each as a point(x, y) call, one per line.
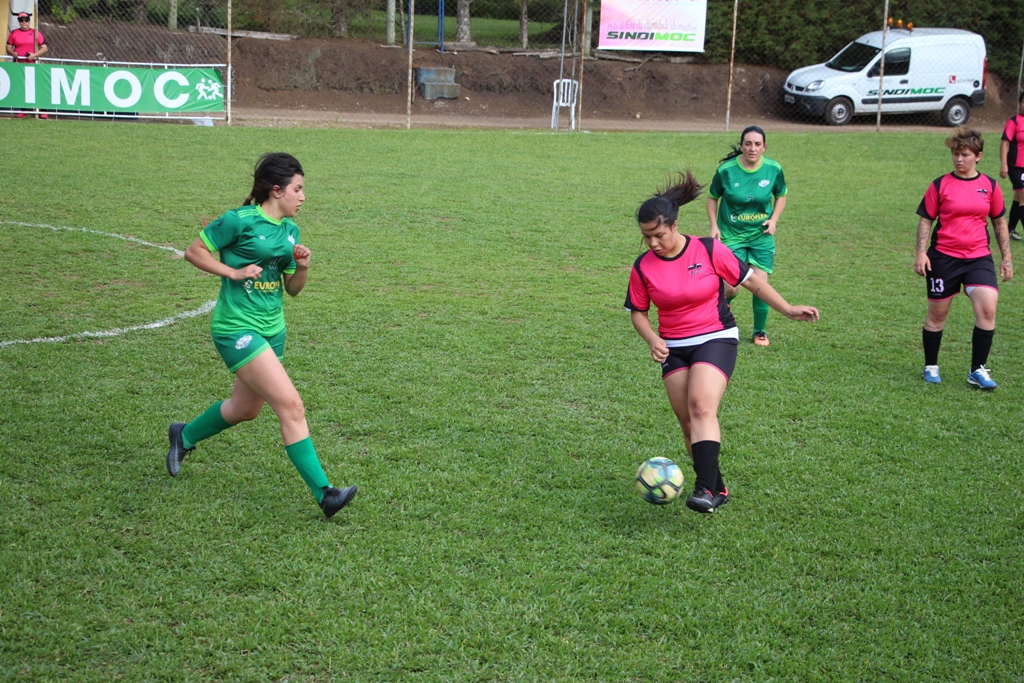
point(342, 11)
point(462, 22)
point(523, 24)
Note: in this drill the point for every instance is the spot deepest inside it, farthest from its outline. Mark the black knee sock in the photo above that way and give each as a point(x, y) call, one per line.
point(981, 344)
point(705, 463)
point(720, 486)
point(1015, 215)
point(932, 341)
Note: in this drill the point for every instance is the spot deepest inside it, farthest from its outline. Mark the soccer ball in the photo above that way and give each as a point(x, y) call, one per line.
point(659, 481)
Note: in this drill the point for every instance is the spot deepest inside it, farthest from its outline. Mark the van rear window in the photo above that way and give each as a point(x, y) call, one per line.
point(854, 57)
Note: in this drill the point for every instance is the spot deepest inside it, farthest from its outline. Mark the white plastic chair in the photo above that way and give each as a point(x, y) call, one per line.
point(566, 91)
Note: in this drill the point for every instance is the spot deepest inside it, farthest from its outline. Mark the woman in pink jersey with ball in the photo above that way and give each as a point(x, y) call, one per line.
point(960, 204)
point(697, 338)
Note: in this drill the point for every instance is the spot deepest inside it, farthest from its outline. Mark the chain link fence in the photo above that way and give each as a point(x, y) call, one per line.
point(347, 62)
point(127, 60)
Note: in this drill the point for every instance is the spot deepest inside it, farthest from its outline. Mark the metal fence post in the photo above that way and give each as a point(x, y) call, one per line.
point(881, 70)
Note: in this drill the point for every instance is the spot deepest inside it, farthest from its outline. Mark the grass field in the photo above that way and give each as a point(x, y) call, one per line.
point(464, 357)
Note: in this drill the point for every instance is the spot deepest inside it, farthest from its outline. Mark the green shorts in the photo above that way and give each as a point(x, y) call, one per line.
point(758, 254)
point(241, 346)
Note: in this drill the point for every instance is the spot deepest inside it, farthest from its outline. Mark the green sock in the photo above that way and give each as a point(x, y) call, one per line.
point(760, 315)
point(206, 425)
point(303, 456)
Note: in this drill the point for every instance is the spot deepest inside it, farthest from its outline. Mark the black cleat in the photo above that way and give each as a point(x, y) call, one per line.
point(721, 498)
point(178, 451)
point(702, 500)
point(335, 499)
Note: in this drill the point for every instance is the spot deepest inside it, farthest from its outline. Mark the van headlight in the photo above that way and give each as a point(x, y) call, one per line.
point(815, 85)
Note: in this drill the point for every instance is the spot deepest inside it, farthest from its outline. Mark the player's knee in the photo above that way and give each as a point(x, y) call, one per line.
point(701, 409)
point(292, 409)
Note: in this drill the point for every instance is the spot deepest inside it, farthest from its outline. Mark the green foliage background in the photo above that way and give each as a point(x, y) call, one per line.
point(795, 33)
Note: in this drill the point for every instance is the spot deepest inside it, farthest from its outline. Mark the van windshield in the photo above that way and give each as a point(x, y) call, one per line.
point(854, 57)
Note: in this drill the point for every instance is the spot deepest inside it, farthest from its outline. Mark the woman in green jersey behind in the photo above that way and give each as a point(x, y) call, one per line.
point(260, 255)
point(743, 214)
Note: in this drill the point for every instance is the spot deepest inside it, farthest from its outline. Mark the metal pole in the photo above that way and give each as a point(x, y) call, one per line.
point(440, 25)
point(881, 71)
point(408, 92)
point(229, 65)
point(732, 58)
point(389, 29)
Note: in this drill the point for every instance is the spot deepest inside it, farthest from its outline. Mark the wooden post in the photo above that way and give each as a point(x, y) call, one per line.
point(172, 15)
point(588, 30)
point(227, 89)
point(732, 58)
point(408, 93)
point(579, 93)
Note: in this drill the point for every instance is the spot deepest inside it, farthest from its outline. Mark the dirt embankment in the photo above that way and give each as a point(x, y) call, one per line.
point(342, 81)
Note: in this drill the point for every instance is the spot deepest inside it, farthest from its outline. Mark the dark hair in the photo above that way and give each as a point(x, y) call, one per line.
point(1021, 98)
point(963, 138)
point(736, 151)
point(664, 205)
point(272, 169)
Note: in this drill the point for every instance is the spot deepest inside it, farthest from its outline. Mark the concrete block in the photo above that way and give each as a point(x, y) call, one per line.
point(433, 91)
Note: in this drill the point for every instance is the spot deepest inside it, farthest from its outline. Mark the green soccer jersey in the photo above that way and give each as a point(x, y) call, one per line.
point(746, 199)
point(247, 236)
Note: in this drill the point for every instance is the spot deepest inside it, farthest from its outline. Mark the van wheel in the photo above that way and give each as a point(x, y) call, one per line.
point(838, 111)
point(956, 112)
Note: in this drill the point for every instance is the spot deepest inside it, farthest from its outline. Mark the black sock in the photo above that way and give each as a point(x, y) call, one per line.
point(1015, 215)
point(932, 341)
point(720, 486)
point(705, 463)
point(981, 344)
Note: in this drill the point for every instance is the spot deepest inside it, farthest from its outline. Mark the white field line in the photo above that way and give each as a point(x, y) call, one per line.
point(205, 308)
point(136, 240)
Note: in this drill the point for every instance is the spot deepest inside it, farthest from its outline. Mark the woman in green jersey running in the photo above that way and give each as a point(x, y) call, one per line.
point(260, 255)
point(745, 200)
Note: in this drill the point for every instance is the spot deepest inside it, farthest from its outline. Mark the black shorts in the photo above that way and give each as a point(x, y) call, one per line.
point(721, 353)
point(947, 274)
point(1017, 177)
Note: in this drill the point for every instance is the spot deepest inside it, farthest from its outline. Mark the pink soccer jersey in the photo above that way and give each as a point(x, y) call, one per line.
point(1013, 132)
point(963, 207)
point(25, 42)
point(688, 292)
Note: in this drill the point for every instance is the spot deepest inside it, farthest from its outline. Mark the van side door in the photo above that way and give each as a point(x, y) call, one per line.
point(897, 89)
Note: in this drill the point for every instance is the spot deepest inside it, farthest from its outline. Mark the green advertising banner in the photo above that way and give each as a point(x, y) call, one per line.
point(83, 87)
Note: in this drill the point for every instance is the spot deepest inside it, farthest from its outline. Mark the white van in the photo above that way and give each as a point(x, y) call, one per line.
point(926, 69)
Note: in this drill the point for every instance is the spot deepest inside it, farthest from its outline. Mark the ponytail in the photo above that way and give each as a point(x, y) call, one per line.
point(664, 205)
point(275, 169)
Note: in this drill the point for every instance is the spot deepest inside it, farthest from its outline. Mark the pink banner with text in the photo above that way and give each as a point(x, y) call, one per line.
point(662, 25)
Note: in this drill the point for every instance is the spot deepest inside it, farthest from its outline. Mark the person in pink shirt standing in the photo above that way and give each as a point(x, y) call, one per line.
point(1011, 163)
point(960, 204)
point(697, 338)
point(26, 45)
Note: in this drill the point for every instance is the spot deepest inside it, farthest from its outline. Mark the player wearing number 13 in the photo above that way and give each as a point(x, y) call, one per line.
point(958, 253)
